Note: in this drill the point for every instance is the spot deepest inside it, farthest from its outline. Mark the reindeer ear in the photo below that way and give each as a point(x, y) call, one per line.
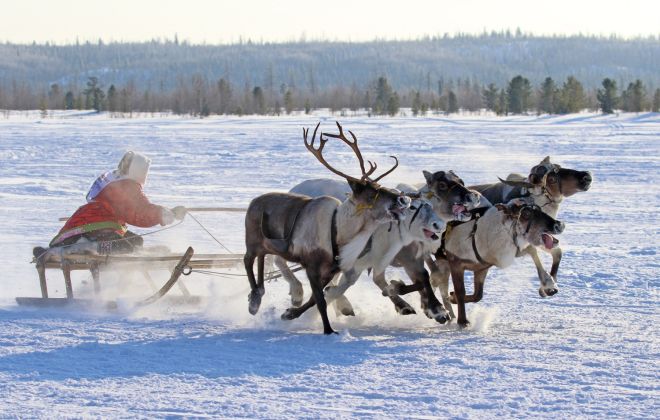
point(546, 160)
point(502, 207)
point(428, 176)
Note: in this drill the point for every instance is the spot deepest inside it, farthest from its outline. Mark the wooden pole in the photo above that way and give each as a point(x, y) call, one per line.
point(209, 209)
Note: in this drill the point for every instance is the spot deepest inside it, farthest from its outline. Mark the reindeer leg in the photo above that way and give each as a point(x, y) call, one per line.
point(335, 293)
point(254, 298)
point(440, 279)
point(548, 286)
point(295, 286)
point(479, 280)
point(556, 259)
point(430, 303)
point(457, 277)
point(402, 307)
point(293, 313)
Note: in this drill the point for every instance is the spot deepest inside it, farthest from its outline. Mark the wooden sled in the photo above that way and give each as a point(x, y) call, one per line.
point(175, 263)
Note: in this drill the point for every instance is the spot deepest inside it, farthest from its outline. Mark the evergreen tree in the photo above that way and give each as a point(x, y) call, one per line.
point(490, 97)
point(69, 100)
point(634, 97)
point(519, 93)
point(382, 96)
point(656, 101)
point(288, 102)
point(224, 96)
point(452, 103)
point(112, 98)
point(548, 97)
point(393, 104)
point(416, 104)
point(502, 106)
point(607, 96)
point(572, 98)
point(94, 95)
point(258, 100)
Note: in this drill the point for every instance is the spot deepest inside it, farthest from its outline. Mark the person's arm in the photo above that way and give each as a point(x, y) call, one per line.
point(132, 206)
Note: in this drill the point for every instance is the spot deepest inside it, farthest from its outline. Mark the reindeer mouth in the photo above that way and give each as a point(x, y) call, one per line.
point(549, 241)
point(430, 234)
point(395, 213)
point(460, 212)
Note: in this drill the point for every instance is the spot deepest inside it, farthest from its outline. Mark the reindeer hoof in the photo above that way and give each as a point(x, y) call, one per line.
point(329, 331)
point(254, 301)
point(296, 293)
point(393, 289)
point(405, 310)
point(289, 314)
point(551, 292)
point(463, 323)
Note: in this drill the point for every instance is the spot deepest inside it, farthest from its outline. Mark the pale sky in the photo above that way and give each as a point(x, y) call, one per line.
point(222, 21)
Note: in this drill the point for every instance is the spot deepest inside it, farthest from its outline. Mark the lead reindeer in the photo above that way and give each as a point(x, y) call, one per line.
point(546, 186)
point(421, 225)
point(323, 234)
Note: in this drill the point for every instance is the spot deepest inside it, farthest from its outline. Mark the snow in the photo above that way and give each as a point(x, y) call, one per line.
point(592, 350)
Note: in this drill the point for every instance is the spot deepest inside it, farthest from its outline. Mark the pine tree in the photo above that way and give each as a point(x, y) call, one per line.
point(288, 102)
point(490, 96)
point(416, 104)
point(259, 104)
point(656, 101)
point(634, 97)
point(571, 96)
point(519, 92)
point(112, 98)
point(502, 105)
point(548, 97)
point(94, 95)
point(393, 104)
point(382, 96)
point(452, 103)
point(69, 100)
point(607, 96)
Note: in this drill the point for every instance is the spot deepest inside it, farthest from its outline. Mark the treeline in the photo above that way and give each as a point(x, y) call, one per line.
point(200, 97)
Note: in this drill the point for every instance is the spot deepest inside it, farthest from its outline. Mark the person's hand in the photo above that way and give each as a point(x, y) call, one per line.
point(179, 212)
point(166, 216)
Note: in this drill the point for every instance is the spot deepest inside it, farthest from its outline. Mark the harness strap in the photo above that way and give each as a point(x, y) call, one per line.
point(474, 244)
point(333, 239)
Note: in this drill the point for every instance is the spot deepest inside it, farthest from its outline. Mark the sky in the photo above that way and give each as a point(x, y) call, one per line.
point(219, 21)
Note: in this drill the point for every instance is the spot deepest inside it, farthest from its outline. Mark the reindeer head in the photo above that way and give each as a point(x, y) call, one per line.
point(382, 204)
point(453, 199)
point(424, 224)
point(530, 224)
point(559, 182)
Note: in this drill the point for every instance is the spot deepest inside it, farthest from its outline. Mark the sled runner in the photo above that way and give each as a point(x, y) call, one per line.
point(143, 262)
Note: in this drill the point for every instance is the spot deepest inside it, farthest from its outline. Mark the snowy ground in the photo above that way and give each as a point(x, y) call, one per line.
point(590, 351)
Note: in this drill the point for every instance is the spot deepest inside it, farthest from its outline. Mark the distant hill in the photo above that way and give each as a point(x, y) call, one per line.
point(418, 64)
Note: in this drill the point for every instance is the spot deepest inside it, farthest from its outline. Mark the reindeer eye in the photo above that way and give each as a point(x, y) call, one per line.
point(442, 186)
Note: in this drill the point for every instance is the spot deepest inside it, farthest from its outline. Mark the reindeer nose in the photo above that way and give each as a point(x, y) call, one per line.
point(437, 226)
point(403, 201)
point(558, 227)
point(586, 180)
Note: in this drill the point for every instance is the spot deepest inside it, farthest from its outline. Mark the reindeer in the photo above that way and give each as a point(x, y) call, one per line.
point(495, 239)
point(423, 226)
point(546, 186)
point(323, 234)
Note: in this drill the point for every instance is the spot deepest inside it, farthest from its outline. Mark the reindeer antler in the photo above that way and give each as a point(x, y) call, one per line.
point(353, 144)
point(396, 163)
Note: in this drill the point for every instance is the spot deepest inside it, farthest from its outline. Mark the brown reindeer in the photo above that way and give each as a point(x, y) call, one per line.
point(323, 234)
point(494, 239)
point(546, 186)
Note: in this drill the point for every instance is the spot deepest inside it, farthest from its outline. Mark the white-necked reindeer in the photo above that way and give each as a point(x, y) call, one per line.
point(323, 234)
point(421, 225)
point(546, 186)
